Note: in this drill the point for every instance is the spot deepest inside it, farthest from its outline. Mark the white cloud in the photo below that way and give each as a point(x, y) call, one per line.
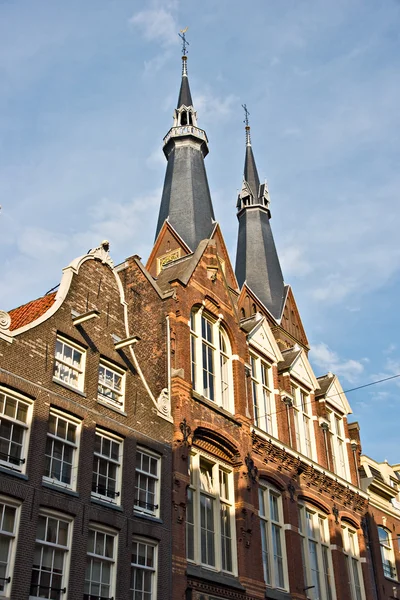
point(294, 262)
point(157, 25)
point(328, 360)
point(209, 105)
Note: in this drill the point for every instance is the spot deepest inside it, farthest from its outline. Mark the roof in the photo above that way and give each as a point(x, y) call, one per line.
point(250, 172)
point(325, 382)
point(289, 356)
point(31, 311)
point(185, 97)
point(180, 269)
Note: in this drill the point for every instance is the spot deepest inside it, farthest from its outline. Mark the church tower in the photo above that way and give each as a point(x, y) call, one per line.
point(257, 262)
point(186, 202)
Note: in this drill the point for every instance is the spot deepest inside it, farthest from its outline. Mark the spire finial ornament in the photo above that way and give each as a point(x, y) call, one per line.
point(246, 122)
point(185, 43)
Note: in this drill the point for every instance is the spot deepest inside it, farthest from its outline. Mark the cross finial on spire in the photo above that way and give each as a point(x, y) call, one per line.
point(185, 43)
point(246, 122)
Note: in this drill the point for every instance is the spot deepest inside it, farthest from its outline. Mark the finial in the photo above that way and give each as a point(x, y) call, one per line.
point(246, 122)
point(185, 43)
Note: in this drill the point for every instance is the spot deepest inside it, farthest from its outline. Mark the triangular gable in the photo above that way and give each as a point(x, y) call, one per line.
point(250, 304)
point(167, 247)
point(262, 339)
point(337, 398)
point(291, 321)
point(224, 256)
point(302, 370)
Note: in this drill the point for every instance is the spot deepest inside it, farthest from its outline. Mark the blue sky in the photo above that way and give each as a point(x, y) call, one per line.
point(87, 92)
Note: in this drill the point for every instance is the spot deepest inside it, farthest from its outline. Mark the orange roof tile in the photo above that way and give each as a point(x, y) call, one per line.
point(32, 310)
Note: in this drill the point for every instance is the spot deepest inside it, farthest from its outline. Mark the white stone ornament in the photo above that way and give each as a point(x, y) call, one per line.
point(5, 320)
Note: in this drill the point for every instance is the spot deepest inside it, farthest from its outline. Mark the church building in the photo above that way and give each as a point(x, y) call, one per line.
point(163, 435)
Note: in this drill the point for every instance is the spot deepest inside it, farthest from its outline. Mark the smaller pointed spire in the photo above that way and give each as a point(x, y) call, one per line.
point(185, 97)
point(250, 170)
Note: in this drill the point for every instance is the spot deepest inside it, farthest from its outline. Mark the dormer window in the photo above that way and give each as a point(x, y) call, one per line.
point(302, 421)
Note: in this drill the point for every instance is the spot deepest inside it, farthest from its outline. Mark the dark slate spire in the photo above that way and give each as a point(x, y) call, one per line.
point(186, 201)
point(257, 261)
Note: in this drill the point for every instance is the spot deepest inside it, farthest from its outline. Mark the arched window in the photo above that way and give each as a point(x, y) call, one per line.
point(211, 359)
point(387, 553)
point(272, 537)
point(353, 564)
point(242, 313)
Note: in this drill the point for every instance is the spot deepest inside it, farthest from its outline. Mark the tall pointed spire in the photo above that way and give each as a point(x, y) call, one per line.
point(257, 261)
point(186, 201)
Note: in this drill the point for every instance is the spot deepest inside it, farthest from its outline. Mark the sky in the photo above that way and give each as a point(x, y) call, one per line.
point(87, 93)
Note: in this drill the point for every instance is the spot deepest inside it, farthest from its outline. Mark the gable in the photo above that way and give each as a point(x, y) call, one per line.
point(301, 369)
point(262, 339)
point(168, 246)
point(249, 305)
point(224, 259)
point(336, 397)
point(291, 321)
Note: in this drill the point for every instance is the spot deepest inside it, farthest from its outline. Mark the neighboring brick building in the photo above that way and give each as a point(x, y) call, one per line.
point(197, 377)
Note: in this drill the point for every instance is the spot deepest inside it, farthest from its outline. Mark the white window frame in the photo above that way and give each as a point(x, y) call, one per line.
point(146, 477)
point(152, 569)
point(50, 514)
point(24, 425)
point(116, 371)
point(338, 445)
point(218, 353)
point(303, 421)
point(272, 536)
point(12, 537)
point(316, 554)
point(351, 552)
point(70, 420)
point(112, 561)
point(263, 396)
point(115, 497)
point(221, 503)
point(387, 553)
point(68, 365)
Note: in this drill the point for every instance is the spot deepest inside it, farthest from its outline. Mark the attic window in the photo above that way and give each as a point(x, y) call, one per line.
point(242, 313)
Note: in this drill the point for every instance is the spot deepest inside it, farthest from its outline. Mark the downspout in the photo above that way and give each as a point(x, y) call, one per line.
point(168, 359)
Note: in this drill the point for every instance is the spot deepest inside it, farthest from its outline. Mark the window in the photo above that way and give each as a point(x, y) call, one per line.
point(49, 571)
point(261, 385)
point(111, 385)
point(303, 424)
point(15, 415)
point(211, 359)
point(272, 537)
point(106, 467)
point(100, 564)
point(338, 445)
point(352, 555)
point(62, 449)
point(147, 482)
point(210, 525)
point(387, 553)
point(8, 529)
point(143, 570)
point(69, 363)
point(317, 559)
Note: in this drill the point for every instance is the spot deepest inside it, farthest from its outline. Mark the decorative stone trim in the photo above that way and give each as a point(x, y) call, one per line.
point(5, 322)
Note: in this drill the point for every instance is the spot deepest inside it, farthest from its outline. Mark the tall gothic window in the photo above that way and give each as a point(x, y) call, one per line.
point(316, 553)
point(211, 359)
point(210, 520)
point(272, 537)
point(261, 386)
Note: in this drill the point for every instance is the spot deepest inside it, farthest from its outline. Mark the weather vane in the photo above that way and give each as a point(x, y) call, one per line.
point(185, 43)
point(246, 115)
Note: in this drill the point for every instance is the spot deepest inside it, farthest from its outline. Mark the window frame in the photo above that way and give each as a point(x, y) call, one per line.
point(116, 498)
point(319, 540)
point(51, 514)
point(268, 524)
point(154, 570)
point(116, 370)
point(261, 387)
point(81, 370)
point(351, 553)
point(113, 561)
point(387, 553)
point(76, 446)
point(338, 445)
point(144, 510)
point(13, 537)
point(216, 349)
point(26, 426)
point(219, 502)
point(303, 421)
